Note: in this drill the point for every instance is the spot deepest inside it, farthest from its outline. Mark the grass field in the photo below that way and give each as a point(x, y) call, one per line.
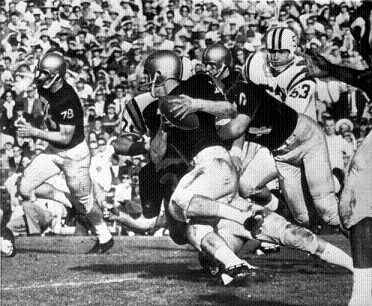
point(144, 270)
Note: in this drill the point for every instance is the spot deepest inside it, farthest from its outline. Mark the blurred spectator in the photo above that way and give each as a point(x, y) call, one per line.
point(100, 168)
point(111, 121)
point(16, 161)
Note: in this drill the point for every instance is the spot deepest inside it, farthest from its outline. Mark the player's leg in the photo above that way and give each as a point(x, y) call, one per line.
point(37, 218)
point(290, 181)
point(203, 237)
point(48, 191)
point(271, 227)
point(361, 249)
point(356, 215)
point(198, 191)
point(151, 190)
point(258, 172)
point(41, 168)
point(76, 163)
point(319, 177)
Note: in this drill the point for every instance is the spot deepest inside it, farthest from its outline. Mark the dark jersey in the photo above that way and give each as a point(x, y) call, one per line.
point(231, 79)
point(272, 121)
point(63, 107)
point(190, 143)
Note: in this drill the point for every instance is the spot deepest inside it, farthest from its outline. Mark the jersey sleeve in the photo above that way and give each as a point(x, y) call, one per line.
point(246, 98)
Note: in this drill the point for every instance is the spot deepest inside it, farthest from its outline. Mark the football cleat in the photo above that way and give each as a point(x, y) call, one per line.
point(101, 248)
point(236, 276)
point(267, 248)
point(209, 264)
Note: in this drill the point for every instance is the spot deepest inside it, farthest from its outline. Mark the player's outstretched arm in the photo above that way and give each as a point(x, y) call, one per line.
point(184, 105)
point(63, 136)
point(320, 67)
point(126, 146)
point(235, 128)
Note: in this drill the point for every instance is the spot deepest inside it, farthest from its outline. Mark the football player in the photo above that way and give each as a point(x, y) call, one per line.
point(355, 202)
point(204, 193)
point(284, 76)
point(275, 229)
point(67, 150)
point(211, 223)
point(156, 183)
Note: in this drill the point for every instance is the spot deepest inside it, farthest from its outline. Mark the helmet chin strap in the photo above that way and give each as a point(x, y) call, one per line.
point(220, 72)
point(156, 75)
point(51, 82)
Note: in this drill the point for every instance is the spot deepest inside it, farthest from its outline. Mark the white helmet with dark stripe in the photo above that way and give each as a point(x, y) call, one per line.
point(278, 40)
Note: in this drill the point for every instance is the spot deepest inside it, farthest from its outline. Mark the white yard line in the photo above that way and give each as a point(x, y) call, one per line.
point(70, 284)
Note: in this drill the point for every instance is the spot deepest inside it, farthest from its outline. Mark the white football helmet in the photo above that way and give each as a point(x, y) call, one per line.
point(281, 39)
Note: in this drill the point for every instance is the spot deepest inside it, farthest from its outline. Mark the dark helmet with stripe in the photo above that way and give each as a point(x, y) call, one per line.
point(280, 39)
point(160, 66)
point(217, 55)
point(50, 69)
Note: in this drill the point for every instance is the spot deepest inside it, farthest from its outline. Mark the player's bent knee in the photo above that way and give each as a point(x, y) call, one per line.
point(327, 208)
point(85, 204)
point(196, 234)
point(300, 238)
point(302, 219)
point(24, 190)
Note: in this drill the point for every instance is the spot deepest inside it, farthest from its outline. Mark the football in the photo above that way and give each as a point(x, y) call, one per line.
point(190, 122)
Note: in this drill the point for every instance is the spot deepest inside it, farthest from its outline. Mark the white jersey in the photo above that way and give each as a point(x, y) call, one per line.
point(291, 86)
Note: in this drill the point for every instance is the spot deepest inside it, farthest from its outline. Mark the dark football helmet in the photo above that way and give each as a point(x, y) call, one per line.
point(219, 57)
point(160, 66)
point(50, 69)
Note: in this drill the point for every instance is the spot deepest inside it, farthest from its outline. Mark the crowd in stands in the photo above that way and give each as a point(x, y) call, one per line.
point(105, 43)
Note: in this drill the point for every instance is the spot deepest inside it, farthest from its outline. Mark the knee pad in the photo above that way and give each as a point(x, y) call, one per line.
point(85, 204)
point(196, 234)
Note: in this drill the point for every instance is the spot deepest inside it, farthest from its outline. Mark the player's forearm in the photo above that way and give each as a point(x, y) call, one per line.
point(220, 109)
point(158, 146)
point(231, 130)
point(62, 138)
point(126, 146)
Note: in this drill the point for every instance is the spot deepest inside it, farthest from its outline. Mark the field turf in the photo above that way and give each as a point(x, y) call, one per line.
point(144, 270)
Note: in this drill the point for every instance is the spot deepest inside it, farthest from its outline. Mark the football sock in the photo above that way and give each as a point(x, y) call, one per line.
point(362, 287)
point(103, 234)
point(334, 255)
point(227, 257)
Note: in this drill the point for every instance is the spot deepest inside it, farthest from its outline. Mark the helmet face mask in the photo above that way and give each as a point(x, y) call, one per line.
point(281, 44)
point(45, 79)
